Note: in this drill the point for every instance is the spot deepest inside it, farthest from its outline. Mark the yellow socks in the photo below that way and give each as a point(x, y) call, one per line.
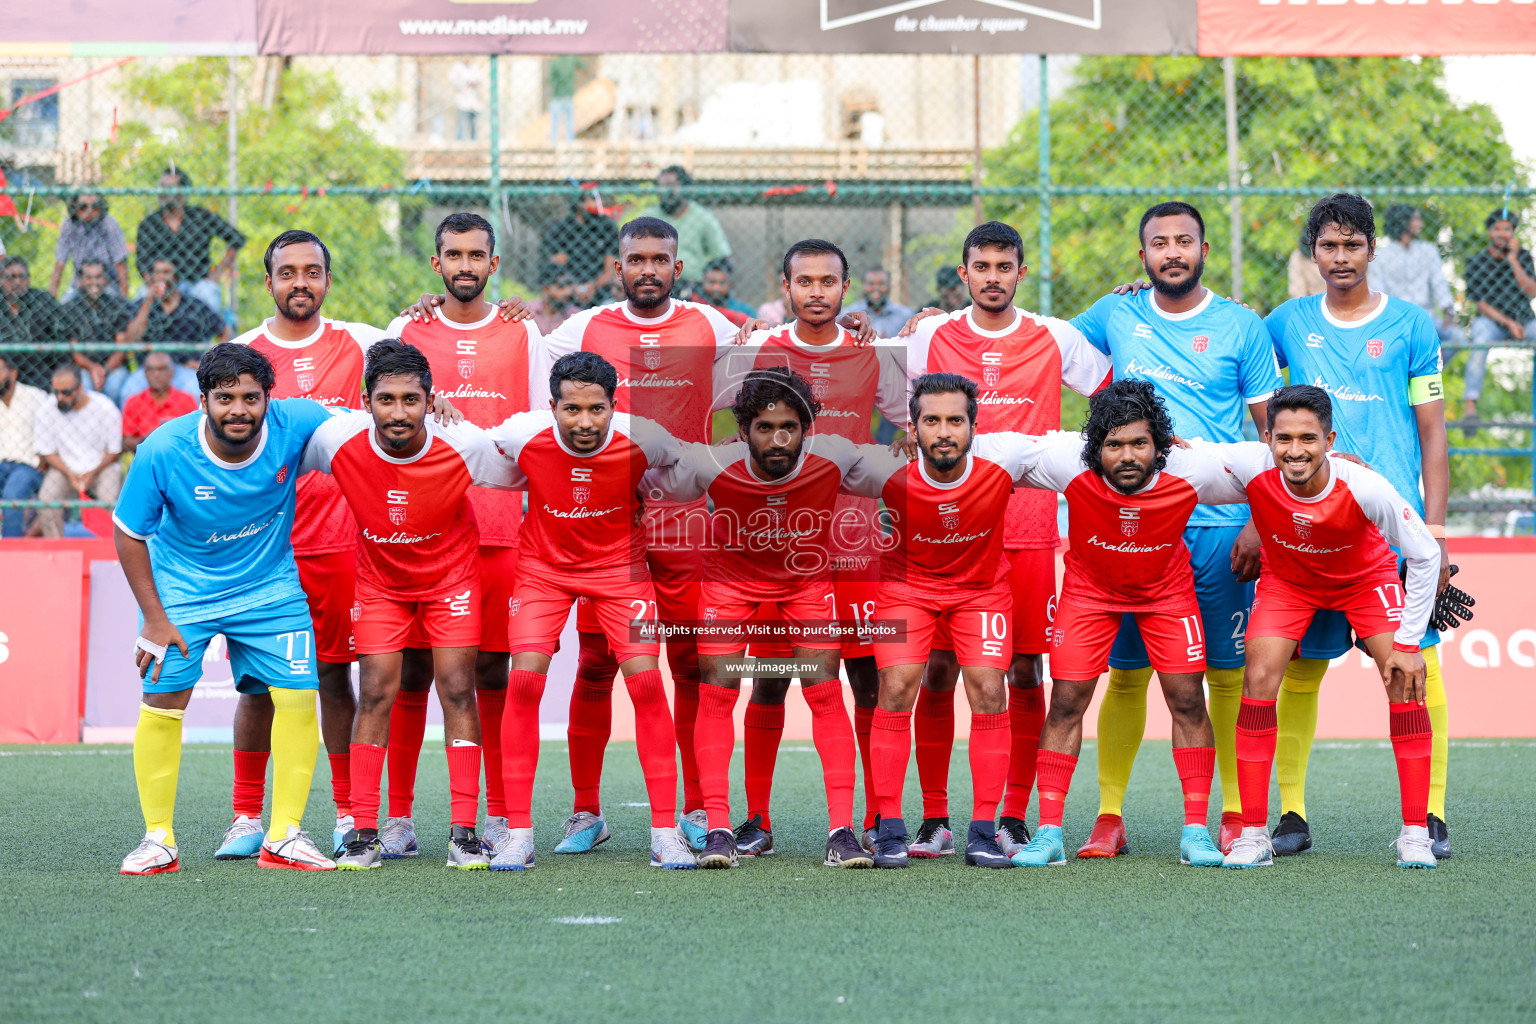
point(1224, 697)
point(1440, 721)
point(1122, 721)
point(1297, 715)
point(156, 765)
point(295, 742)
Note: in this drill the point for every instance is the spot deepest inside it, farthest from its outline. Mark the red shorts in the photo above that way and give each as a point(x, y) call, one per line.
point(383, 623)
point(855, 609)
point(541, 605)
point(498, 575)
point(1081, 639)
point(797, 605)
point(329, 582)
point(978, 619)
point(1372, 606)
point(676, 568)
point(1032, 578)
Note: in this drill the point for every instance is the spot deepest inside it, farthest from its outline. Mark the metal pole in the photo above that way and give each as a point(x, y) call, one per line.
point(1044, 267)
point(976, 135)
point(232, 144)
point(494, 109)
point(1234, 176)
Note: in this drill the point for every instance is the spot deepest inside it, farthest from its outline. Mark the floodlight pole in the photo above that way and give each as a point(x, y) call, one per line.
point(1043, 268)
point(494, 111)
point(232, 145)
point(976, 135)
point(1234, 176)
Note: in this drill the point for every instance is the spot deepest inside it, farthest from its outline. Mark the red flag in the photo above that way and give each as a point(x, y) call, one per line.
point(7, 204)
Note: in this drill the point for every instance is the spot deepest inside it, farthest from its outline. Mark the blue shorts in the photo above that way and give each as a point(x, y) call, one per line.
point(1224, 603)
point(271, 645)
point(1329, 636)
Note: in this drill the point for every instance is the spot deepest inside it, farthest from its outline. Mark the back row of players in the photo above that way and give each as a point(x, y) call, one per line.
point(402, 598)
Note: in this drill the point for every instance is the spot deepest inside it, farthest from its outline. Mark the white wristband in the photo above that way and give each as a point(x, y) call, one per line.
point(154, 650)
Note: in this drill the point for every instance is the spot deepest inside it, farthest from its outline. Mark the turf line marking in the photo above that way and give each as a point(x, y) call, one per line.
point(585, 920)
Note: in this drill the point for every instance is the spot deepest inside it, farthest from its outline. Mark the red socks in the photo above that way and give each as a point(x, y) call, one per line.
point(714, 737)
point(463, 784)
point(250, 783)
point(1026, 717)
point(832, 733)
point(341, 782)
point(891, 748)
point(520, 745)
point(989, 764)
point(367, 768)
point(491, 704)
point(1195, 766)
point(591, 720)
point(764, 730)
point(1256, 731)
point(654, 740)
point(933, 728)
point(863, 719)
point(1411, 741)
point(1055, 780)
point(407, 727)
point(685, 710)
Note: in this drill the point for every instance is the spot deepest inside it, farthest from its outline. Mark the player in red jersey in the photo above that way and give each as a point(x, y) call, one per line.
point(1327, 528)
point(581, 463)
point(851, 380)
point(1129, 498)
point(417, 560)
point(774, 533)
point(1022, 361)
point(481, 362)
point(322, 359)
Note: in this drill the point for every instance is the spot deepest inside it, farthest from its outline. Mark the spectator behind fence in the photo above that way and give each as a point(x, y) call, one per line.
point(1502, 281)
point(1413, 270)
point(887, 317)
point(90, 234)
point(585, 241)
point(28, 316)
point(155, 404)
point(19, 465)
point(716, 287)
point(553, 306)
point(700, 238)
point(79, 435)
point(1302, 278)
point(182, 234)
point(951, 290)
point(96, 314)
point(168, 316)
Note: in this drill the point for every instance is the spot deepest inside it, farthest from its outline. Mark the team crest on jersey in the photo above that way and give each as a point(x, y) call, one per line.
point(990, 375)
point(652, 358)
point(282, 474)
point(1202, 343)
point(581, 495)
point(466, 368)
point(1375, 347)
point(1130, 521)
point(513, 607)
point(306, 381)
point(1302, 524)
point(710, 613)
point(397, 515)
point(357, 610)
point(819, 387)
point(950, 520)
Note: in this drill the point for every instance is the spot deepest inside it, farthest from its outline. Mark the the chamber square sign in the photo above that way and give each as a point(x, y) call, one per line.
point(964, 26)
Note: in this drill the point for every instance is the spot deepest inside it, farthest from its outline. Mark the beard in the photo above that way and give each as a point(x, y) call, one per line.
point(287, 306)
point(945, 463)
point(217, 427)
point(663, 293)
point(465, 291)
point(1177, 290)
point(761, 459)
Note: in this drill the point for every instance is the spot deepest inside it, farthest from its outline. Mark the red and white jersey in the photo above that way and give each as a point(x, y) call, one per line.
point(484, 369)
point(327, 366)
point(943, 534)
point(417, 536)
point(1127, 551)
point(770, 532)
point(584, 509)
point(1019, 373)
point(667, 365)
point(1341, 537)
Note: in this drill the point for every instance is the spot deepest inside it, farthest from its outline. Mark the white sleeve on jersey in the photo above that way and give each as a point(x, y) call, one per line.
point(1402, 528)
point(919, 341)
point(330, 436)
point(1083, 367)
point(1049, 462)
point(514, 432)
point(1207, 474)
point(660, 447)
point(688, 478)
point(562, 341)
point(873, 465)
point(397, 325)
point(733, 363)
point(725, 331)
point(1243, 459)
point(487, 465)
point(891, 391)
point(538, 386)
point(365, 335)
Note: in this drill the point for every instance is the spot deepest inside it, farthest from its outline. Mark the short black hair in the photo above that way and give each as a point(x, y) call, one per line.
point(1394, 223)
point(295, 237)
point(67, 369)
point(943, 384)
point(162, 258)
point(1172, 208)
point(1350, 212)
point(461, 222)
point(1299, 398)
point(648, 227)
point(814, 247)
point(6, 262)
point(583, 368)
point(772, 385)
point(1117, 404)
point(225, 362)
point(994, 234)
point(391, 357)
point(681, 172)
point(92, 261)
point(722, 264)
point(1502, 213)
point(182, 177)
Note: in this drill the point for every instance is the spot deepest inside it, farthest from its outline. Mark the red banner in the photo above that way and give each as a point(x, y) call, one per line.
point(1365, 28)
point(40, 626)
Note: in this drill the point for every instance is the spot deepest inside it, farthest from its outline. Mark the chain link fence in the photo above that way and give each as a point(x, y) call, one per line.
point(892, 156)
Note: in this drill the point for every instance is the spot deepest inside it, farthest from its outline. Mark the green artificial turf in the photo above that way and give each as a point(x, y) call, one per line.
point(1338, 934)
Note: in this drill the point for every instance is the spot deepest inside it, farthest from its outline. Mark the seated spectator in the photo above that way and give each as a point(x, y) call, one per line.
point(90, 235)
point(553, 306)
point(182, 234)
point(585, 242)
point(167, 316)
point(154, 405)
point(96, 314)
point(952, 294)
point(887, 317)
point(1501, 281)
point(20, 471)
point(79, 436)
point(700, 238)
point(715, 290)
point(28, 316)
point(1413, 270)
